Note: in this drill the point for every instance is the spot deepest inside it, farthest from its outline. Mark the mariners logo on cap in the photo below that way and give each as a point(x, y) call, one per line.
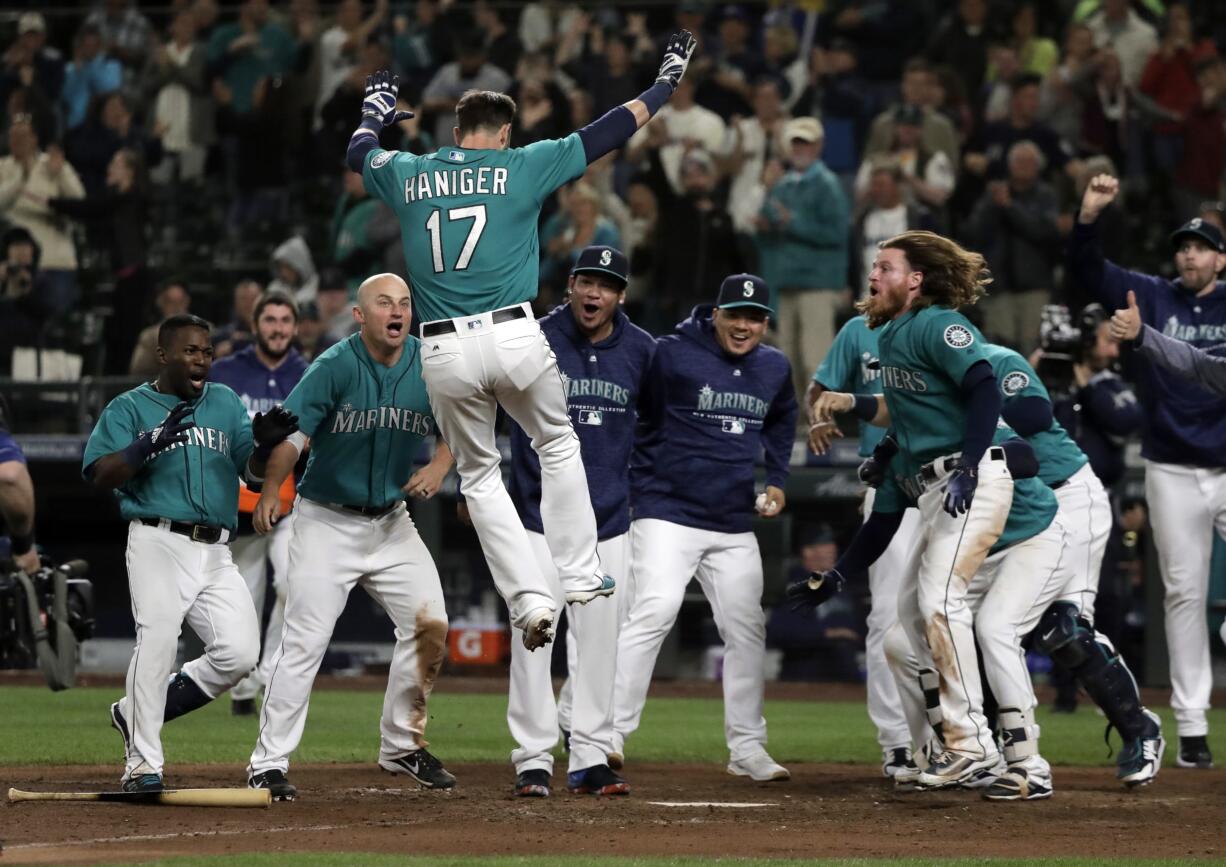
point(748, 287)
point(606, 256)
point(1014, 383)
point(959, 336)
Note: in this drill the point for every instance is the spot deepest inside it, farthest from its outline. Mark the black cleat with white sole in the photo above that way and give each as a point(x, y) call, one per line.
point(276, 782)
point(422, 767)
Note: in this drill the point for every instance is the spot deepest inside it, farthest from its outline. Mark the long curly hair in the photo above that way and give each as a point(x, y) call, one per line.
point(953, 277)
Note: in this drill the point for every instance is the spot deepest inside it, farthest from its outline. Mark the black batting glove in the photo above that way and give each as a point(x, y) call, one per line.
point(172, 431)
point(960, 490)
point(272, 427)
point(676, 58)
point(809, 593)
point(382, 88)
point(872, 471)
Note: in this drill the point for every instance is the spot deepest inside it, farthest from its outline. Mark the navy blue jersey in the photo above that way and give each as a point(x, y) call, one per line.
point(259, 387)
point(707, 417)
point(603, 384)
point(1185, 423)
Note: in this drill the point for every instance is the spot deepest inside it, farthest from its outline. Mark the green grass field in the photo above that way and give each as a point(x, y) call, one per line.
point(72, 727)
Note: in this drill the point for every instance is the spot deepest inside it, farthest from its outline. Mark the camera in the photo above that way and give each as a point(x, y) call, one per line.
point(44, 617)
point(1060, 341)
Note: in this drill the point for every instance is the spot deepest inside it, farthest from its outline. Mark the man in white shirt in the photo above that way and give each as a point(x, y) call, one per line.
point(1133, 40)
point(679, 126)
point(750, 142)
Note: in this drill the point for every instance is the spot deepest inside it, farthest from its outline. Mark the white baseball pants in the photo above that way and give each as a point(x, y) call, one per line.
point(953, 552)
point(532, 712)
point(254, 555)
point(728, 566)
point(884, 581)
point(172, 579)
point(468, 373)
point(1186, 506)
point(1085, 513)
point(331, 550)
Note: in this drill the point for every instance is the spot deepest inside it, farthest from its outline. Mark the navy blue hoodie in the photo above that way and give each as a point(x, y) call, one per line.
point(259, 387)
point(707, 417)
point(604, 382)
point(1185, 423)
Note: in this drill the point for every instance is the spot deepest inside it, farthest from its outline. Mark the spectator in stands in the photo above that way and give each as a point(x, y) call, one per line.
point(310, 332)
point(340, 46)
point(120, 214)
point(1036, 54)
point(1064, 89)
point(293, 271)
point(125, 31)
point(612, 76)
point(639, 240)
point(421, 45)
point(239, 332)
point(1200, 173)
point(334, 308)
point(1015, 224)
point(471, 70)
point(1106, 115)
point(543, 111)
point(30, 62)
point(881, 34)
point(936, 131)
point(577, 224)
point(28, 179)
point(501, 44)
point(542, 24)
point(1118, 27)
point(91, 74)
point(22, 293)
point(362, 230)
point(679, 127)
point(927, 175)
point(172, 299)
point(985, 156)
point(259, 141)
point(802, 242)
point(1003, 71)
point(729, 67)
point(752, 141)
point(92, 146)
point(886, 213)
point(177, 80)
point(779, 47)
point(249, 51)
point(961, 41)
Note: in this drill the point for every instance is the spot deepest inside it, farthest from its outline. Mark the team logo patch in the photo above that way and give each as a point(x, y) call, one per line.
point(382, 159)
point(456, 156)
point(959, 336)
point(733, 426)
point(748, 286)
point(1014, 382)
point(606, 256)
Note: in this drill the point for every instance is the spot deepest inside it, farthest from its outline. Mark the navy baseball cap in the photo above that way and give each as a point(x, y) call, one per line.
point(744, 290)
point(603, 260)
point(1202, 229)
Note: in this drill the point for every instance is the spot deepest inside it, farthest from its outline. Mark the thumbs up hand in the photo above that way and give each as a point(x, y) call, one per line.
point(1126, 323)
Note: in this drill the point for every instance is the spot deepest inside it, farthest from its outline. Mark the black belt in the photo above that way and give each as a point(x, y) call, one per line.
point(447, 326)
point(371, 511)
point(929, 472)
point(1055, 486)
point(206, 533)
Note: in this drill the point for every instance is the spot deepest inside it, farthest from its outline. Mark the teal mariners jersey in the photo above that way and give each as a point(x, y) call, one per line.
point(194, 481)
point(366, 422)
point(1033, 508)
point(851, 366)
point(924, 356)
point(1059, 457)
point(468, 219)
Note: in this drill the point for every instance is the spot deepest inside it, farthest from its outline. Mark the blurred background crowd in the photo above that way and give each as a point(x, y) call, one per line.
point(187, 155)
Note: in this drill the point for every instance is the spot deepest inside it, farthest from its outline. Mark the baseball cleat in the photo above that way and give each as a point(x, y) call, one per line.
point(143, 783)
point(119, 724)
point(949, 769)
point(605, 588)
point(1025, 780)
point(1194, 753)
point(276, 782)
point(1140, 760)
point(984, 777)
point(596, 780)
point(539, 630)
point(617, 760)
point(895, 760)
point(532, 784)
point(760, 767)
point(422, 767)
point(242, 707)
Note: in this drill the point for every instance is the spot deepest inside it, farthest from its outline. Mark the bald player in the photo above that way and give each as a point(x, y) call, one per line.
point(362, 407)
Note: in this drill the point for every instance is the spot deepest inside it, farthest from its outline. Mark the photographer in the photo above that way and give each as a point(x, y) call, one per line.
point(16, 501)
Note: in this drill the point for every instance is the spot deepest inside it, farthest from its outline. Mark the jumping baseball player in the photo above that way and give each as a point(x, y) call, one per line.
point(604, 360)
point(851, 366)
point(716, 401)
point(363, 409)
point(468, 219)
point(1184, 444)
point(263, 375)
point(942, 396)
point(173, 450)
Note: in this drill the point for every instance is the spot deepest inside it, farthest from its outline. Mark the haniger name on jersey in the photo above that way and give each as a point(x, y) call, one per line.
point(479, 180)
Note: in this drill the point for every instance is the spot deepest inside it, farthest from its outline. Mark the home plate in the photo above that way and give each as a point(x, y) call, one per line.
point(737, 804)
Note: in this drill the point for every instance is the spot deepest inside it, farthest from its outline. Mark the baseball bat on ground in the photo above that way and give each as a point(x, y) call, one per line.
point(168, 797)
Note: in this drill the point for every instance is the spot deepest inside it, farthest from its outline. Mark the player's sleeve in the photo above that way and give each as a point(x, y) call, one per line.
point(10, 451)
point(835, 371)
point(1183, 359)
point(383, 174)
point(778, 432)
point(115, 430)
point(1025, 405)
point(312, 398)
point(241, 439)
point(952, 345)
point(554, 162)
point(1107, 281)
point(890, 497)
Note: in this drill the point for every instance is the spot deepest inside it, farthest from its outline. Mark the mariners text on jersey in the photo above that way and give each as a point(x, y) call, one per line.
point(907, 380)
point(610, 391)
point(349, 420)
point(204, 437)
point(710, 399)
point(483, 180)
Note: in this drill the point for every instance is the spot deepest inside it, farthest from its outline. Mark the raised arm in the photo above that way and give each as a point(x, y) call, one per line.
point(378, 111)
point(1183, 359)
point(1106, 280)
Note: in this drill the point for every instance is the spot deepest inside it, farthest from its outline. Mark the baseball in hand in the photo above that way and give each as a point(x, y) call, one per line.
point(765, 505)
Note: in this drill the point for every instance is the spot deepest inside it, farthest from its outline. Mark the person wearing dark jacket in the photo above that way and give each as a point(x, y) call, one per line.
point(1184, 444)
point(717, 400)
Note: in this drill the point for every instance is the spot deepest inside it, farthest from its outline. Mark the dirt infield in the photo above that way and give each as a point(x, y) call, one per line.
point(825, 811)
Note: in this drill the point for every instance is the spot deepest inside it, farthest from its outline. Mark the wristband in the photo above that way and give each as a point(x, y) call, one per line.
point(655, 96)
point(866, 407)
